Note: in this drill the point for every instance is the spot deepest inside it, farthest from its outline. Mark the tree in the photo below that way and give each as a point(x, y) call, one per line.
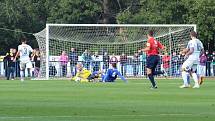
point(73, 11)
point(201, 12)
point(31, 15)
point(20, 16)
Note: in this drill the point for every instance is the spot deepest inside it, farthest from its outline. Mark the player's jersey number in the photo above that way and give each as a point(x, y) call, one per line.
point(114, 74)
point(25, 51)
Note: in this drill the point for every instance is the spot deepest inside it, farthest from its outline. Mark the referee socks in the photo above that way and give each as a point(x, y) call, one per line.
point(151, 78)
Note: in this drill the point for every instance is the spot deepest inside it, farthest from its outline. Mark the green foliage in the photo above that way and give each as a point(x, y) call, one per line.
point(123, 17)
point(73, 11)
point(20, 15)
point(200, 12)
point(32, 15)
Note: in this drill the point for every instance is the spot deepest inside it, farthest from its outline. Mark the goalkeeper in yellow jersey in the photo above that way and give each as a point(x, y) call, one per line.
point(84, 75)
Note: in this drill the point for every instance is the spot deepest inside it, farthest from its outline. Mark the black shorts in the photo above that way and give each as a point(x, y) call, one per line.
point(91, 77)
point(152, 61)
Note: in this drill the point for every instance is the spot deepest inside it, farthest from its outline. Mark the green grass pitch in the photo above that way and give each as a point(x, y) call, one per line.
point(69, 101)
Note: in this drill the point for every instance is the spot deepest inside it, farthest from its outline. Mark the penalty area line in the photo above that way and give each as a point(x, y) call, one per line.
point(94, 116)
point(173, 83)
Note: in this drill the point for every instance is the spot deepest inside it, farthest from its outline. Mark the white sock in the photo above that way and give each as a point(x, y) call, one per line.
point(184, 77)
point(195, 78)
point(22, 74)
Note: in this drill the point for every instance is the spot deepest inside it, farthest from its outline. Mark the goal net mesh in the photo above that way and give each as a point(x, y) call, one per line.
point(107, 44)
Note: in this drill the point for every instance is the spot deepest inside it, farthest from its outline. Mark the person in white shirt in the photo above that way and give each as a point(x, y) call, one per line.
point(192, 53)
point(24, 51)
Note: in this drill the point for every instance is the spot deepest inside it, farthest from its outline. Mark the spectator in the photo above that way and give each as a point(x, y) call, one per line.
point(136, 64)
point(17, 63)
point(63, 63)
point(96, 62)
point(202, 67)
point(181, 59)
point(10, 64)
point(123, 62)
point(32, 60)
point(208, 63)
point(113, 59)
point(166, 60)
point(175, 64)
point(5, 65)
point(86, 58)
point(36, 60)
point(73, 57)
point(213, 63)
point(143, 61)
point(106, 59)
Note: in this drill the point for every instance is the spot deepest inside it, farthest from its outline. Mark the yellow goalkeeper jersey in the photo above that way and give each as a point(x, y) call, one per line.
point(84, 74)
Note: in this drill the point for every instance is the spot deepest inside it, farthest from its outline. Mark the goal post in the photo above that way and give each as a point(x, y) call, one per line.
point(47, 52)
point(114, 39)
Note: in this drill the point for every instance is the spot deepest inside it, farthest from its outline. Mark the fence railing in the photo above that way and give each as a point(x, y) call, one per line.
point(128, 69)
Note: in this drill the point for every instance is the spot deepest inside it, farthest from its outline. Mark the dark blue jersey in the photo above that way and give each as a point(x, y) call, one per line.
point(111, 75)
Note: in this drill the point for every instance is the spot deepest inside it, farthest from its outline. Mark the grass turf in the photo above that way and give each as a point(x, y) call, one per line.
point(67, 101)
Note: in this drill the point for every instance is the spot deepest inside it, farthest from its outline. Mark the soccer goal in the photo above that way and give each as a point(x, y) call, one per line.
point(98, 45)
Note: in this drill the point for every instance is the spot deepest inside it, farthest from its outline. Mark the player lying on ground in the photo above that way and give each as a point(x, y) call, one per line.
point(192, 53)
point(112, 73)
point(83, 75)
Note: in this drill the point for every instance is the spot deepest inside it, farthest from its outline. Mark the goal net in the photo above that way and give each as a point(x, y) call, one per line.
point(98, 45)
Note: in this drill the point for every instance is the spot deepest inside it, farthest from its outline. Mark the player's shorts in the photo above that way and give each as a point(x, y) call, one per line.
point(152, 61)
point(190, 64)
point(201, 70)
point(91, 77)
point(25, 64)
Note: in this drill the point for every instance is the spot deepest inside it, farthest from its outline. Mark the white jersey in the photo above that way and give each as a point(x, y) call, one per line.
point(198, 46)
point(24, 50)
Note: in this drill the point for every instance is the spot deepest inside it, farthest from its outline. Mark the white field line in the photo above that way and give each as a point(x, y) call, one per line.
point(174, 83)
point(97, 116)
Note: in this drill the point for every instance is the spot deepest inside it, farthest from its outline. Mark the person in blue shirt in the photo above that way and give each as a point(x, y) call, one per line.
point(87, 59)
point(73, 57)
point(112, 74)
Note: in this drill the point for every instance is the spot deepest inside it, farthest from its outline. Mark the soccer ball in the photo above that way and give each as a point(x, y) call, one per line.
point(78, 79)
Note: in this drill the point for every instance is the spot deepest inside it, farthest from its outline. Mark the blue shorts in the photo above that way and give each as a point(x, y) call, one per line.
point(152, 61)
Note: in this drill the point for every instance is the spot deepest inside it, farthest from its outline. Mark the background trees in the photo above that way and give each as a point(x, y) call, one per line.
point(31, 16)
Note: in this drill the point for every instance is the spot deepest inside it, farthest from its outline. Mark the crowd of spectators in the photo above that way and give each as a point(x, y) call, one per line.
point(96, 61)
point(12, 68)
point(172, 64)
